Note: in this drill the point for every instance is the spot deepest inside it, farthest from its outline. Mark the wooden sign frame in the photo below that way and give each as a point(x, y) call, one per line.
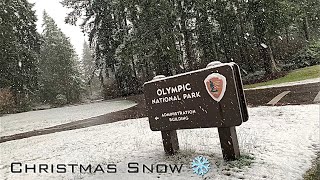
point(221, 108)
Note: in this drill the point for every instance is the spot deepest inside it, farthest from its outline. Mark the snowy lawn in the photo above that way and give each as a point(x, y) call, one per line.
point(276, 143)
point(33, 120)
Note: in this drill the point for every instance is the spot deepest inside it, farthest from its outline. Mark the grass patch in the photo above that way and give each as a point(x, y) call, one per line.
point(314, 172)
point(296, 75)
point(243, 161)
point(186, 156)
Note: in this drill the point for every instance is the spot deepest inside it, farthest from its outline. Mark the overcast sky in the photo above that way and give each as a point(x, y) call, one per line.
point(58, 13)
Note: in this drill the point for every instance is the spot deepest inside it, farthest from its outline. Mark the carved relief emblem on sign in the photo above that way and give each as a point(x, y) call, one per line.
point(216, 86)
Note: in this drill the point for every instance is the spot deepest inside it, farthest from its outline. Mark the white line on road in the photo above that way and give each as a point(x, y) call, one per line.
point(277, 98)
point(317, 98)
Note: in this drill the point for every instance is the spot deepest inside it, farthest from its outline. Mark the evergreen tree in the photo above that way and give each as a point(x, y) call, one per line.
point(19, 48)
point(60, 80)
point(90, 71)
point(148, 37)
point(88, 63)
point(307, 15)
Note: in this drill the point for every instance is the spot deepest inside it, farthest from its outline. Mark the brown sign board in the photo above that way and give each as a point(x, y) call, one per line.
point(210, 97)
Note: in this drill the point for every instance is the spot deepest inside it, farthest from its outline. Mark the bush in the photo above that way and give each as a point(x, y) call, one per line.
point(253, 77)
point(25, 103)
point(60, 100)
point(110, 89)
point(308, 56)
point(127, 83)
point(6, 101)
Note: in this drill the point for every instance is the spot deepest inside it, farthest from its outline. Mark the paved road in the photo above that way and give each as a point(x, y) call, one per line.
point(298, 94)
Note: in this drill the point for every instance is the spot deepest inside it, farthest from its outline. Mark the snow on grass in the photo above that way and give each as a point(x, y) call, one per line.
point(276, 143)
point(306, 81)
point(28, 121)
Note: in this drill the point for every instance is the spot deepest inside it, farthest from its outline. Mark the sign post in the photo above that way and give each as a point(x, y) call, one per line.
point(229, 143)
point(170, 141)
point(169, 138)
point(209, 97)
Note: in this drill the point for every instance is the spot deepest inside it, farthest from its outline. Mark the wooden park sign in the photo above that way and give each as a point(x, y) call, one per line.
point(210, 97)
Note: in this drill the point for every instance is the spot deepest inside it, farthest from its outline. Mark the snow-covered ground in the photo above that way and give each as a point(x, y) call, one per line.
point(280, 142)
point(307, 81)
point(28, 121)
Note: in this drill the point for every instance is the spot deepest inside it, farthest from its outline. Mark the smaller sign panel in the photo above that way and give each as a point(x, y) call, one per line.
point(210, 97)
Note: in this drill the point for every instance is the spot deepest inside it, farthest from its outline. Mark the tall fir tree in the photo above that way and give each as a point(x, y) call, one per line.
point(88, 62)
point(59, 76)
point(19, 48)
point(90, 73)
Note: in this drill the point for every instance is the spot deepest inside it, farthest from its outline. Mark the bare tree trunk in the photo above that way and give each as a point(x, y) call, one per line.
point(287, 36)
point(260, 30)
point(186, 36)
point(133, 67)
point(274, 67)
point(181, 55)
point(217, 52)
point(306, 28)
point(243, 45)
point(225, 45)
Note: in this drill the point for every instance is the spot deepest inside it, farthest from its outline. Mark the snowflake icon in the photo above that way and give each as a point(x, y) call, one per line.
point(200, 165)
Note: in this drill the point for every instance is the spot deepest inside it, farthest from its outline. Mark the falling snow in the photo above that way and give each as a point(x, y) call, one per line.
point(264, 45)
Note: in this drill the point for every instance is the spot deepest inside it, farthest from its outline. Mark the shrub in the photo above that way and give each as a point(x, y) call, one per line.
point(61, 100)
point(308, 56)
point(252, 77)
point(6, 101)
point(110, 89)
